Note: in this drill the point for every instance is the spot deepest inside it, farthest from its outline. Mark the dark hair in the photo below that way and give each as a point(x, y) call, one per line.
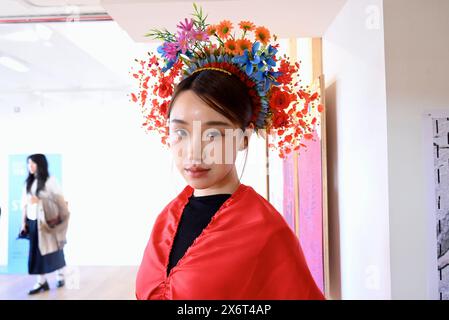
point(41, 173)
point(225, 93)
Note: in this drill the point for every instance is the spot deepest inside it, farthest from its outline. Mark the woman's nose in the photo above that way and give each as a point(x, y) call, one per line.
point(194, 152)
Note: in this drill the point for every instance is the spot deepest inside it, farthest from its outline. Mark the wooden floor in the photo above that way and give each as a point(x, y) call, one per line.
point(87, 283)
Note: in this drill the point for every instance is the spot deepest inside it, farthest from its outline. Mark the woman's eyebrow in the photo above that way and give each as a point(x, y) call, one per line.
point(178, 121)
point(217, 123)
point(208, 123)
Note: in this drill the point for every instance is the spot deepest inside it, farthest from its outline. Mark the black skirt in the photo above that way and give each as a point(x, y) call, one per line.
point(37, 263)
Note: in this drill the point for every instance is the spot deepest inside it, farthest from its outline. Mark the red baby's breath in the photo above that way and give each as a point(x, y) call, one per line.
point(152, 79)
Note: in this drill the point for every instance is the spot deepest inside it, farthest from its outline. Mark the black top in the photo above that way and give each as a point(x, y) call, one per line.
point(197, 214)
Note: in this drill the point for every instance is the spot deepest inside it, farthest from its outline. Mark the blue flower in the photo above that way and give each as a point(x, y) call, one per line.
point(266, 58)
point(169, 65)
point(272, 50)
point(267, 78)
point(246, 60)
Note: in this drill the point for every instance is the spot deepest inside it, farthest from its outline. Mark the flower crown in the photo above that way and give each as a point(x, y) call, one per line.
point(279, 104)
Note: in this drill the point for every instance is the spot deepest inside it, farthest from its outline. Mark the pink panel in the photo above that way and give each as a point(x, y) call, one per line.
point(289, 192)
point(310, 207)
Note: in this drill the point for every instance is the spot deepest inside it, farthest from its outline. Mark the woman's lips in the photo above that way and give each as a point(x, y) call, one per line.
point(196, 172)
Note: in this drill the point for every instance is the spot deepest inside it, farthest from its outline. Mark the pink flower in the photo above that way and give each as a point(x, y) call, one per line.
point(170, 50)
point(186, 26)
point(182, 41)
point(198, 35)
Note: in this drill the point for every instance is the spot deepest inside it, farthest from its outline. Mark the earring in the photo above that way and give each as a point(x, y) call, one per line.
point(245, 144)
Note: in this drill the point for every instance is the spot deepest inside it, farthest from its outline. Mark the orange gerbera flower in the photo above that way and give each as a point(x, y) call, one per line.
point(211, 30)
point(231, 46)
point(224, 29)
point(247, 25)
point(243, 44)
point(262, 34)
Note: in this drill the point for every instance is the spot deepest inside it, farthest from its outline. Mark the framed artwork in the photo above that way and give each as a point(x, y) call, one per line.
point(440, 142)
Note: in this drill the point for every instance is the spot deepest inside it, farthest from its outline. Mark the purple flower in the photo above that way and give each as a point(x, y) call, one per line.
point(187, 36)
point(186, 26)
point(169, 50)
point(182, 41)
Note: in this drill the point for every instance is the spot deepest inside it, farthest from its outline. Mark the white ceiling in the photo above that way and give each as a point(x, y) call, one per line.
point(87, 54)
point(285, 18)
point(87, 57)
point(98, 55)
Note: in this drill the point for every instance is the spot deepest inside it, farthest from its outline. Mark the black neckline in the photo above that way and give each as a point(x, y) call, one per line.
point(218, 195)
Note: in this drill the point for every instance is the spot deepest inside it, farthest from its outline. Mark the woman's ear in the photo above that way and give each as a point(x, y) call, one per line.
point(247, 134)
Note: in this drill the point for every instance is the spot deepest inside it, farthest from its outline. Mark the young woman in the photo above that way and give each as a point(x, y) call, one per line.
point(218, 238)
point(44, 253)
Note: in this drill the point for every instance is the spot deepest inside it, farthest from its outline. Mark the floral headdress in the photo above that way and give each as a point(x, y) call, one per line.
point(279, 104)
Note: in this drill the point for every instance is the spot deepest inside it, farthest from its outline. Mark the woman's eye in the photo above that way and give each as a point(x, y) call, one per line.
point(178, 134)
point(212, 135)
point(181, 133)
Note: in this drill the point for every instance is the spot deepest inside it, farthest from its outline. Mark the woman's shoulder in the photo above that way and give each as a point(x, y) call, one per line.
point(51, 180)
point(260, 208)
point(260, 201)
point(53, 185)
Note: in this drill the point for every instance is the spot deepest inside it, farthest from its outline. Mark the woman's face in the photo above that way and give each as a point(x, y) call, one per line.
point(204, 143)
point(32, 166)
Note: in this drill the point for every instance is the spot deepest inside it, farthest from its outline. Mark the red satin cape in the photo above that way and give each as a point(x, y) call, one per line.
point(246, 252)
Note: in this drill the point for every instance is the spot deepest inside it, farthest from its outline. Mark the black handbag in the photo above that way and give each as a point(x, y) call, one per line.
point(24, 234)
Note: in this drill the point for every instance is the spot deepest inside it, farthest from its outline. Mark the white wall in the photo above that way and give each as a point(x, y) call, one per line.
point(353, 61)
point(111, 172)
point(417, 68)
